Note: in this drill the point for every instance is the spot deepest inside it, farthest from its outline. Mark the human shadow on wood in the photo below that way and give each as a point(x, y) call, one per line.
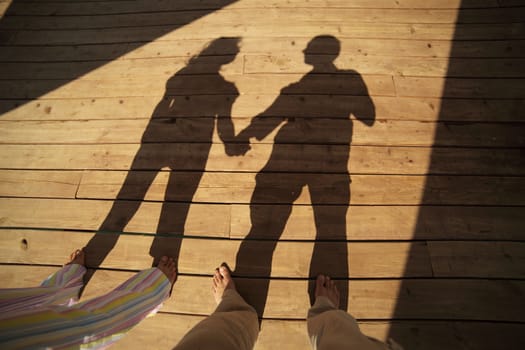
point(66, 40)
point(311, 149)
point(185, 142)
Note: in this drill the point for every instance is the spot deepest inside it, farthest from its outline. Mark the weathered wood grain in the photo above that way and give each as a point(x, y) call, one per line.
point(212, 220)
point(64, 8)
point(460, 88)
point(366, 189)
point(496, 259)
point(389, 108)
point(401, 66)
point(200, 256)
point(189, 85)
point(267, 46)
point(305, 130)
point(301, 13)
point(363, 159)
point(277, 28)
point(202, 220)
point(47, 184)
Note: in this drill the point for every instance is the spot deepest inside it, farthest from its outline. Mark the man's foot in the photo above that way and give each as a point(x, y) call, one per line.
point(325, 287)
point(167, 266)
point(77, 257)
point(222, 280)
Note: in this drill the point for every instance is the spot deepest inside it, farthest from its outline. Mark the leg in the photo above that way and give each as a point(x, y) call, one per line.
point(179, 194)
point(232, 326)
point(330, 222)
point(61, 288)
point(255, 253)
point(332, 329)
point(135, 186)
point(94, 323)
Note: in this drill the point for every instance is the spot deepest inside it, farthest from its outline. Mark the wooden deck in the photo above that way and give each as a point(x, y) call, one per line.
point(429, 245)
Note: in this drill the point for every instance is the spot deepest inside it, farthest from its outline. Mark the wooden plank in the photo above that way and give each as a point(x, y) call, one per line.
point(29, 89)
point(200, 84)
point(18, 276)
point(65, 8)
point(267, 46)
point(456, 335)
point(366, 189)
point(509, 3)
point(404, 222)
point(362, 222)
point(269, 29)
point(363, 160)
point(433, 4)
point(301, 131)
point(369, 299)
point(47, 184)
point(290, 259)
point(202, 220)
point(391, 108)
point(403, 66)
point(465, 259)
point(61, 8)
point(143, 69)
point(244, 15)
point(79, 22)
point(460, 88)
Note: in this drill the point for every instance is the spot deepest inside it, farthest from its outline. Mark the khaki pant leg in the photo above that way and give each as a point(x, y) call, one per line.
point(232, 326)
point(333, 329)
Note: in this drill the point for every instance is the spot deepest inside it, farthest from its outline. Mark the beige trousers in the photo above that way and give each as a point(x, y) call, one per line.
point(232, 326)
point(333, 329)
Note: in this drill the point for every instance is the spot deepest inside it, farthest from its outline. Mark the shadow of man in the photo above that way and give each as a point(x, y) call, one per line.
point(311, 149)
point(177, 139)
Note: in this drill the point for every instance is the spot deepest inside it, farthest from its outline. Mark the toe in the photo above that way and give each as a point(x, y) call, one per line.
point(224, 271)
point(319, 283)
point(164, 260)
point(217, 275)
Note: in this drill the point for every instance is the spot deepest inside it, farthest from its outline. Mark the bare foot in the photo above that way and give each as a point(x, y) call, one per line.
point(167, 266)
point(325, 287)
point(222, 280)
point(77, 257)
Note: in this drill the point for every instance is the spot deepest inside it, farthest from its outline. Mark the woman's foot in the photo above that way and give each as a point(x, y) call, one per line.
point(77, 257)
point(222, 280)
point(167, 266)
point(325, 287)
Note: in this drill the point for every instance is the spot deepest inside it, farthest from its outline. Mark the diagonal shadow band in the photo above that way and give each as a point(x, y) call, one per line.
point(134, 28)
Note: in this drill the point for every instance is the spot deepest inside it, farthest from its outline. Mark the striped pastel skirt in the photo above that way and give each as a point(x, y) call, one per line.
point(46, 317)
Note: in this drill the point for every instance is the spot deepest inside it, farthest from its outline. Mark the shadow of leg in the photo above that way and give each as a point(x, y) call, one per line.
point(179, 195)
point(330, 254)
point(100, 245)
point(254, 258)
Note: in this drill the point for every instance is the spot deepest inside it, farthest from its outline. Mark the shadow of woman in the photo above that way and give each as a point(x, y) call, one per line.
point(311, 149)
point(178, 139)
